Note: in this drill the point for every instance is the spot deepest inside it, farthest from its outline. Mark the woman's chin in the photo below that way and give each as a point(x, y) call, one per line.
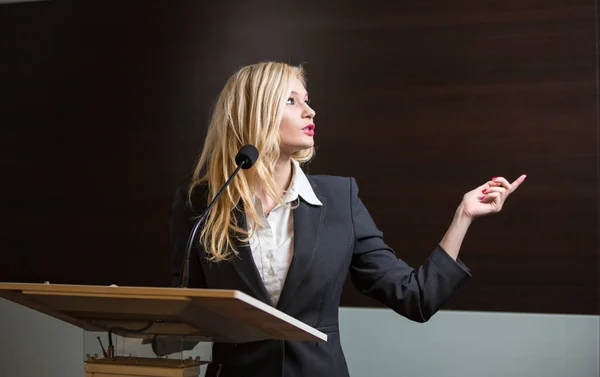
point(293, 149)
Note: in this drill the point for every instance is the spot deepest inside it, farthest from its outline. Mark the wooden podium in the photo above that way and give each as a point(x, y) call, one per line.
point(200, 314)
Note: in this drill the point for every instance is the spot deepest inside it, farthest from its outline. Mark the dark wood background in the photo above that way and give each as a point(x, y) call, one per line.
point(104, 109)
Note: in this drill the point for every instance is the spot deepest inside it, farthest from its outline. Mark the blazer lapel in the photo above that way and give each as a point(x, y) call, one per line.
point(244, 264)
point(308, 220)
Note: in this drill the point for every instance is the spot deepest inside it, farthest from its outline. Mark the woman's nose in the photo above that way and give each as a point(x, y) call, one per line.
point(309, 112)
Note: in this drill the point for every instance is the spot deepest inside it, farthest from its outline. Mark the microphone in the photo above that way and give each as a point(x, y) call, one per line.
point(245, 159)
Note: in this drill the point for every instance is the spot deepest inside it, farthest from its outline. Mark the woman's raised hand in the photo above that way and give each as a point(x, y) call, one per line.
point(489, 197)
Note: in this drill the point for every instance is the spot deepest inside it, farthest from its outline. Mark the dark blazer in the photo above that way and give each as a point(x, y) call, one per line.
point(329, 241)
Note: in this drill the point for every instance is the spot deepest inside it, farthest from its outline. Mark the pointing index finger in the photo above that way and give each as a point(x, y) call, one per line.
point(517, 182)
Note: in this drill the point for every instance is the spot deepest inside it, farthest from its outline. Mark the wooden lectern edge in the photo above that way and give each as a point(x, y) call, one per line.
point(276, 313)
point(152, 292)
point(21, 299)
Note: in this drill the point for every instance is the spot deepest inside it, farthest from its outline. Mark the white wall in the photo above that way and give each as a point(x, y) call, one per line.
point(469, 344)
point(377, 342)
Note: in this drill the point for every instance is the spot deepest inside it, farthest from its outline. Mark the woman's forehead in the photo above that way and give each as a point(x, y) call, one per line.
point(298, 88)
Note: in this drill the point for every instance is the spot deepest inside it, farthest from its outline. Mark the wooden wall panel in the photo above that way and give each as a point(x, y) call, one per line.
point(105, 105)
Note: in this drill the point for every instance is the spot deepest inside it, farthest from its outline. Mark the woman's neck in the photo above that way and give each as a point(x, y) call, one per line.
point(283, 178)
point(283, 173)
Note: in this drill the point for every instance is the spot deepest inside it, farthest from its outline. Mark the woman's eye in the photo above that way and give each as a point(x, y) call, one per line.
point(290, 101)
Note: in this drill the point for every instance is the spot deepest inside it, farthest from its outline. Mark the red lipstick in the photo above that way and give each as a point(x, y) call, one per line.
point(309, 130)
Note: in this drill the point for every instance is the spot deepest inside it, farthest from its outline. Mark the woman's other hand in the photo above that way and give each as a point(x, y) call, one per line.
point(489, 197)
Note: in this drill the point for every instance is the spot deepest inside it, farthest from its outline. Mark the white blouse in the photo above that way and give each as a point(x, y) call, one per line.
point(272, 244)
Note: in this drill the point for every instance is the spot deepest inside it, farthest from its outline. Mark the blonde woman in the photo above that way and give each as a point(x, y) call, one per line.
point(290, 239)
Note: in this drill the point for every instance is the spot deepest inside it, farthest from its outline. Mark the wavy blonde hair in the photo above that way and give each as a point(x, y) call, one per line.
point(249, 110)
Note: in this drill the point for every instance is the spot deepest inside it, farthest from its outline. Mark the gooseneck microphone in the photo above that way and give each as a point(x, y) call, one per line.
point(245, 158)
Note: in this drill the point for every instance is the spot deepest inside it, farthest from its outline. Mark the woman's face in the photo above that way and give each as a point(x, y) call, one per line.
point(297, 128)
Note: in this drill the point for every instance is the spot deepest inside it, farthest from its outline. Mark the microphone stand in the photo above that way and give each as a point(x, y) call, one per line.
point(185, 273)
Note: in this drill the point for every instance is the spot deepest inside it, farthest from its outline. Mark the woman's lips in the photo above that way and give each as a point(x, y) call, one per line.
point(309, 130)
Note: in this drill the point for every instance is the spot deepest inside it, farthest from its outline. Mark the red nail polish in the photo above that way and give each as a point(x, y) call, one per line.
point(484, 190)
point(493, 178)
point(483, 197)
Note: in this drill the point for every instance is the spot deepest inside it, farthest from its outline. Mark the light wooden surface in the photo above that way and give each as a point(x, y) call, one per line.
point(147, 361)
point(217, 315)
point(103, 369)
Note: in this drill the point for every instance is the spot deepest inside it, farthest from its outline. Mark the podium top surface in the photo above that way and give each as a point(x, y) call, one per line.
point(212, 314)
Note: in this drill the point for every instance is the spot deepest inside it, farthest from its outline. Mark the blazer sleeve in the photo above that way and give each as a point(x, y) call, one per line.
point(377, 272)
point(180, 227)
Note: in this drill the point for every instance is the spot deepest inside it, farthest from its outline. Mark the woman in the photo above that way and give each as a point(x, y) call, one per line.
point(290, 239)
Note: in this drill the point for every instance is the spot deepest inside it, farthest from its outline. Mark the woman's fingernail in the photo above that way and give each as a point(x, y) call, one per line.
point(483, 197)
point(494, 178)
point(484, 190)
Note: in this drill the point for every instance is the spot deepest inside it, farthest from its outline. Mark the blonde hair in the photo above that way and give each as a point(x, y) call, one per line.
point(249, 110)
